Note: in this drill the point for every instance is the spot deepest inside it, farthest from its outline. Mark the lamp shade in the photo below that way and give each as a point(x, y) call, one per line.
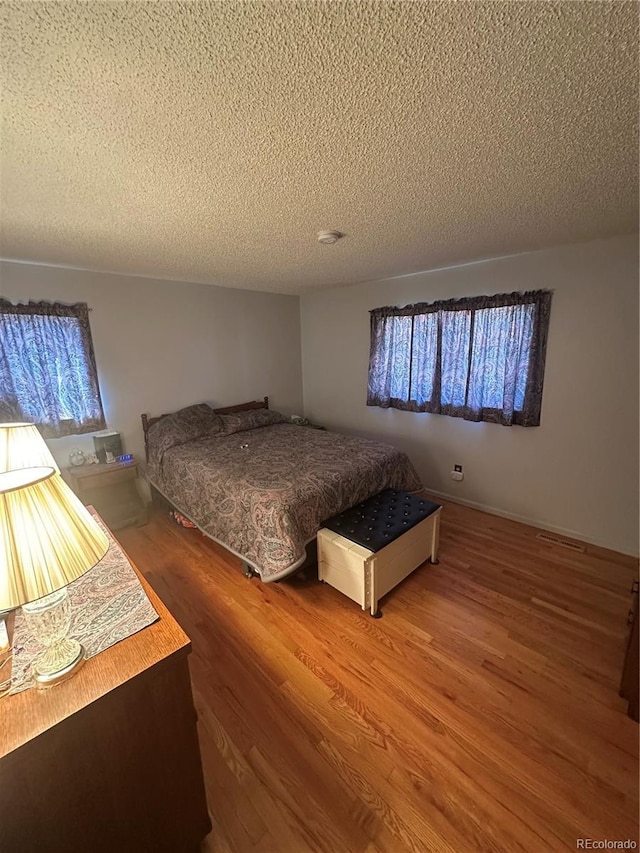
point(47, 537)
point(22, 446)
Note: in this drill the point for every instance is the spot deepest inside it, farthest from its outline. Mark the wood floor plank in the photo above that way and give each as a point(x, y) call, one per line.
point(481, 713)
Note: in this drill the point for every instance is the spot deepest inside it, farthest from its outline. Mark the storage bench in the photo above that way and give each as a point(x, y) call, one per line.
point(367, 550)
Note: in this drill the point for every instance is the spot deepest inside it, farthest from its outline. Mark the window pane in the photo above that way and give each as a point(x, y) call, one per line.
point(456, 327)
point(400, 343)
point(487, 353)
point(524, 354)
point(389, 366)
point(45, 373)
point(500, 358)
point(425, 351)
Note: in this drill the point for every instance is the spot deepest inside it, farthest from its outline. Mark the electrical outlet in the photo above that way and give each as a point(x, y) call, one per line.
point(457, 475)
point(458, 468)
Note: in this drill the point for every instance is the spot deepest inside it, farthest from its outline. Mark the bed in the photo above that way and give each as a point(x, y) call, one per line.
point(260, 485)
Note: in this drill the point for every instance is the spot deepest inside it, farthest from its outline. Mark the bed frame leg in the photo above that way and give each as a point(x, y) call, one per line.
point(247, 571)
point(158, 500)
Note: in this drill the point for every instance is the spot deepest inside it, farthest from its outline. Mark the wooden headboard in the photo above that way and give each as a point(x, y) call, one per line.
point(148, 422)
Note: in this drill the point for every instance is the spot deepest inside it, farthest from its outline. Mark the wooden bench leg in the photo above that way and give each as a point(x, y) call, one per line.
point(435, 539)
point(375, 612)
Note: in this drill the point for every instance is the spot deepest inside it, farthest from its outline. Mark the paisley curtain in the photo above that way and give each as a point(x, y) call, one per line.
point(48, 370)
point(480, 358)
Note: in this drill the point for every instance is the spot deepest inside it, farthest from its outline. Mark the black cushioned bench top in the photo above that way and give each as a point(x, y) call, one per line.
point(379, 520)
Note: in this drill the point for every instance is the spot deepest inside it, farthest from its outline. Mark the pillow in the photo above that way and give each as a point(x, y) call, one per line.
point(186, 425)
point(200, 419)
point(251, 419)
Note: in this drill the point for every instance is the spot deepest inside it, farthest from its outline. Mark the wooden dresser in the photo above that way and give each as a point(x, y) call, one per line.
point(108, 760)
point(629, 687)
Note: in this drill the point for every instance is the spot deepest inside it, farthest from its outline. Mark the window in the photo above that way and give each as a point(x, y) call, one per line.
point(48, 370)
point(480, 358)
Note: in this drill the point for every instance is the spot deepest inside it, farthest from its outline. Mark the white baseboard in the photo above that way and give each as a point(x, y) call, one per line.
point(532, 522)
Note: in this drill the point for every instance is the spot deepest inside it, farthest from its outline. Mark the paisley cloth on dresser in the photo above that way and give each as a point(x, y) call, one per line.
point(108, 604)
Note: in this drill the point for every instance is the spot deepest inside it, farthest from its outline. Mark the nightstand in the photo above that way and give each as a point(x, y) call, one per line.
point(111, 489)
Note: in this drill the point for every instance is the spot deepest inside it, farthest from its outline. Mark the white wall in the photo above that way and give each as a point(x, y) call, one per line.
point(161, 345)
point(578, 471)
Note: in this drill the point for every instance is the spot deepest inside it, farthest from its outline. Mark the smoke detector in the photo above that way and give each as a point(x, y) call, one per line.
point(329, 237)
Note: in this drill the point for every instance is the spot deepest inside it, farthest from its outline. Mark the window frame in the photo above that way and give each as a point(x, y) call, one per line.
point(531, 410)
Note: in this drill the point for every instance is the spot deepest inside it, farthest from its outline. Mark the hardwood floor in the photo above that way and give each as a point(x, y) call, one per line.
point(481, 713)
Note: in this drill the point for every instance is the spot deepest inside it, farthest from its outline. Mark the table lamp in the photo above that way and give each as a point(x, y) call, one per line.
point(47, 540)
point(22, 446)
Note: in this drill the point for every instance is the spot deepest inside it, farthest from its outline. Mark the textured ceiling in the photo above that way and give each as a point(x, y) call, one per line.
point(211, 141)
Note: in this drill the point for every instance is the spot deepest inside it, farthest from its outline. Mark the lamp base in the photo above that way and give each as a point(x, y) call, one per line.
point(50, 619)
point(5, 646)
point(45, 677)
point(5, 654)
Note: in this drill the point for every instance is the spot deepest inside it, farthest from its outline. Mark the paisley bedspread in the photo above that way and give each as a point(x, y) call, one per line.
point(263, 493)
